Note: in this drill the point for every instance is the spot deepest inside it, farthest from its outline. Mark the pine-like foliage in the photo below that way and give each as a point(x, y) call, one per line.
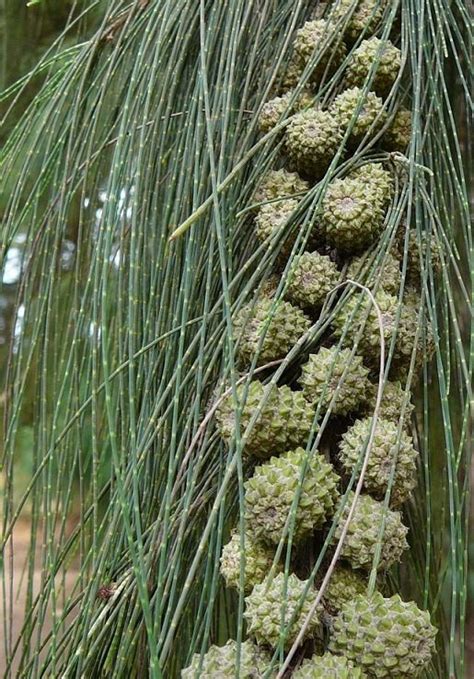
point(126, 188)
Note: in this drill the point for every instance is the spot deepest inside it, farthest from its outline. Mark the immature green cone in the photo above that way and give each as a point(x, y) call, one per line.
point(361, 541)
point(360, 15)
point(399, 320)
point(351, 218)
point(273, 110)
point(398, 135)
point(270, 492)
point(364, 114)
point(422, 249)
point(284, 421)
point(278, 602)
point(394, 402)
point(258, 562)
point(423, 348)
point(312, 139)
point(274, 222)
point(386, 276)
point(279, 184)
point(289, 75)
point(280, 324)
point(344, 585)
point(388, 445)
point(387, 637)
point(328, 666)
point(313, 276)
point(378, 180)
point(321, 377)
point(371, 51)
point(220, 662)
point(312, 40)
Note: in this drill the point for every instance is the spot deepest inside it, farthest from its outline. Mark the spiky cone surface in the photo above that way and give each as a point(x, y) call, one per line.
point(387, 637)
point(328, 666)
point(422, 346)
point(289, 75)
point(398, 135)
point(279, 184)
point(273, 220)
point(362, 538)
point(334, 369)
point(273, 110)
point(312, 139)
point(284, 420)
point(258, 562)
point(278, 322)
point(220, 662)
point(379, 181)
point(394, 402)
point(272, 605)
point(359, 16)
point(344, 585)
point(386, 275)
point(351, 218)
point(312, 277)
point(387, 58)
point(398, 320)
point(270, 492)
point(312, 40)
point(269, 286)
point(421, 250)
point(363, 113)
point(389, 447)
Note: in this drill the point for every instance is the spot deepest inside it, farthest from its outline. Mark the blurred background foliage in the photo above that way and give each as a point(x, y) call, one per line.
point(29, 33)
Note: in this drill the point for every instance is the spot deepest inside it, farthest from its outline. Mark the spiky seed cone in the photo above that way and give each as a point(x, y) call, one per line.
point(371, 51)
point(389, 447)
point(269, 286)
point(398, 135)
point(356, 314)
point(328, 666)
point(220, 662)
point(386, 276)
point(344, 585)
point(279, 184)
point(360, 15)
point(312, 139)
point(364, 114)
point(289, 75)
point(312, 40)
point(279, 323)
point(351, 219)
point(284, 420)
point(387, 637)
point(395, 401)
point(377, 179)
point(321, 378)
point(421, 250)
point(273, 110)
point(301, 418)
point(362, 538)
point(271, 490)
point(423, 346)
point(274, 603)
point(313, 276)
point(258, 562)
point(274, 221)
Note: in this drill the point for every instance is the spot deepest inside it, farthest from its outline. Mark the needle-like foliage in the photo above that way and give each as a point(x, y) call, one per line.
point(128, 183)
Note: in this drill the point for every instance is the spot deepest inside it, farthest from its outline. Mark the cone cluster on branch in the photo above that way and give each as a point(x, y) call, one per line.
point(296, 497)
